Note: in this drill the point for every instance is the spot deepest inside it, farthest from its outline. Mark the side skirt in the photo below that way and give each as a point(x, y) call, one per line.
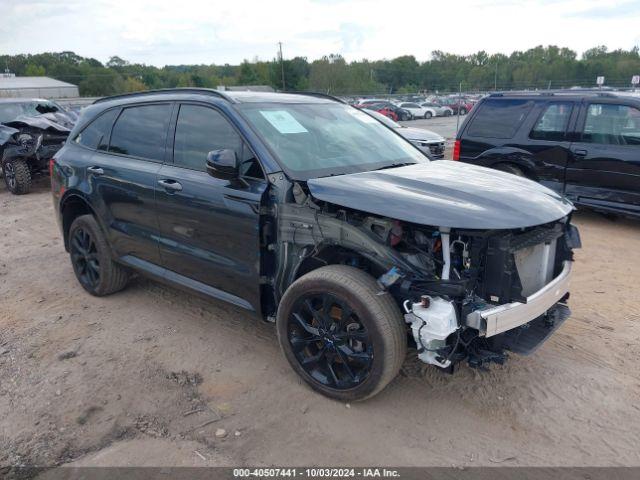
point(164, 275)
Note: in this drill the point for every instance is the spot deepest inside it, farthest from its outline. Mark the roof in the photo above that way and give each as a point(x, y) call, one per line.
point(572, 94)
point(32, 82)
point(233, 97)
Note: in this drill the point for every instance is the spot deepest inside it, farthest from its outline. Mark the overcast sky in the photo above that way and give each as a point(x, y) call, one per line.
point(210, 31)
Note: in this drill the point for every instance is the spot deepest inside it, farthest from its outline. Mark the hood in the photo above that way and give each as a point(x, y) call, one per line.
point(58, 122)
point(445, 194)
point(419, 134)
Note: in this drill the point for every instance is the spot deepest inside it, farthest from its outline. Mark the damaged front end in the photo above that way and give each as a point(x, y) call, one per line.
point(28, 142)
point(467, 293)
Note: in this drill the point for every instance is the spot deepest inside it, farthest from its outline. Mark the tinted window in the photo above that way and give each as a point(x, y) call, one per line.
point(141, 132)
point(198, 131)
point(612, 125)
point(499, 118)
point(553, 122)
point(96, 134)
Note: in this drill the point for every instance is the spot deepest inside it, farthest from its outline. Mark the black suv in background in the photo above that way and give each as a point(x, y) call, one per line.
point(319, 218)
point(583, 145)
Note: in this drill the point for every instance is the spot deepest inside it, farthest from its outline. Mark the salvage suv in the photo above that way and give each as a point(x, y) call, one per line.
point(321, 219)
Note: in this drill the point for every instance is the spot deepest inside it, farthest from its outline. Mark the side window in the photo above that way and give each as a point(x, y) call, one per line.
point(141, 132)
point(201, 129)
point(552, 124)
point(498, 118)
point(612, 124)
point(96, 134)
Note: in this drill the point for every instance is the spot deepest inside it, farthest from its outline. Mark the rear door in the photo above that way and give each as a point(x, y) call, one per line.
point(209, 227)
point(547, 138)
point(604, 169)
point(124, 177)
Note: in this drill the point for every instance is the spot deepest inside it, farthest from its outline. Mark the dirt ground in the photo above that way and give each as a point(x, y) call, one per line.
point(151, 375)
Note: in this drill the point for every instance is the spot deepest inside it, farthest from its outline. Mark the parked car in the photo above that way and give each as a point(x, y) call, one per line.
point(583, 145)
point(317, 217)
point(418, 111)
point(383, 110)
point(460, 106)
point(429, 142)
point(31, 132)
point(440, 110)
point(401, 114)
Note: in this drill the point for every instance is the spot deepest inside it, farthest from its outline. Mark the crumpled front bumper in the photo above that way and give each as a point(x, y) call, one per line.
point(501, 318)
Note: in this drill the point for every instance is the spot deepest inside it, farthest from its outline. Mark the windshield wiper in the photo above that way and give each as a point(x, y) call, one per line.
point(394, 165)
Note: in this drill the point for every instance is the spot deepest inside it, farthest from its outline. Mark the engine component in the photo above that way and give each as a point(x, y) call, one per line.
point(432, 321)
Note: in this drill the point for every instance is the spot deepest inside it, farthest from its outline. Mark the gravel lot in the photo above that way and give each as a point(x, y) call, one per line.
point(155, 376)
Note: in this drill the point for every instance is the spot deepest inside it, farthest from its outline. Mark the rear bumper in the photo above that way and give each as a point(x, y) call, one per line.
point(501, 318)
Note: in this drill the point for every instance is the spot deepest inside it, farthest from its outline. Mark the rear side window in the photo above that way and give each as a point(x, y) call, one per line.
point(552, 124)
point(141, 132)
point(499, 118)
point(96, 134)
point(612, 125)
point(198, 131)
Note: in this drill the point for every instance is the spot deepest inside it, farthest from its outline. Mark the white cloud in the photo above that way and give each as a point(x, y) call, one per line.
point(201, 31)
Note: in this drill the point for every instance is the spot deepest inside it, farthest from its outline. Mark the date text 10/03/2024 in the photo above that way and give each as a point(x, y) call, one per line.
point(315, 472)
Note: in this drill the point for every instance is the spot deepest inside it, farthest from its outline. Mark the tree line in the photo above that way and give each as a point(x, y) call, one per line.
point(539, 67)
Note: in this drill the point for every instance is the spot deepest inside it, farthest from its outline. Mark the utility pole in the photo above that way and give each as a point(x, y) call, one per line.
point(495, 78)
point(282, 66)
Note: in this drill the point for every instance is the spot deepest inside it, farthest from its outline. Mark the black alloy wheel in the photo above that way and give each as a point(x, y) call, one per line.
point(344, 336)
point(84, 258)
point(91, 258)
point(329, 341)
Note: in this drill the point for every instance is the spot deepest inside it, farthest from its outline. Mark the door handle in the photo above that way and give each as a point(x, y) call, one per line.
point(170, 185)
point(580, 152)
point(95, 170)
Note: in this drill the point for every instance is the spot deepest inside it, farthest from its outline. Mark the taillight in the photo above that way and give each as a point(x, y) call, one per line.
point(456, 150)
point(51, 163)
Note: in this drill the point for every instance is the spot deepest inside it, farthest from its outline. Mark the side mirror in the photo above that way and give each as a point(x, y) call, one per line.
point(222, 164)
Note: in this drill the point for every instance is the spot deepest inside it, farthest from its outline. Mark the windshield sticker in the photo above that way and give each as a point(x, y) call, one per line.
point(361, 116)
point(283, 121)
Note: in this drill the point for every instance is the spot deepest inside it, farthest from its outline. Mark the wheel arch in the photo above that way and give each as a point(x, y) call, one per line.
point(72, 206)
point(337, 255)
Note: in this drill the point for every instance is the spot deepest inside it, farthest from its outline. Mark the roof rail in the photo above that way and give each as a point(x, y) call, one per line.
point(319, 95)
point(575, 91)
point(206, 91)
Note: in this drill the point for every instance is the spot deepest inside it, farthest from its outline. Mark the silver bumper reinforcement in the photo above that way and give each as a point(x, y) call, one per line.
point(498, 319)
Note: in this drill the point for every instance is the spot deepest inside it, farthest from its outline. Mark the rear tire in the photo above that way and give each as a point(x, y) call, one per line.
point(342, 334)
point(427, 115)
point(463, 111)
point(91, 259)
point(17, 176)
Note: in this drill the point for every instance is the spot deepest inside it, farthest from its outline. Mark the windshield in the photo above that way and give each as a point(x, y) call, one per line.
point(317, 140)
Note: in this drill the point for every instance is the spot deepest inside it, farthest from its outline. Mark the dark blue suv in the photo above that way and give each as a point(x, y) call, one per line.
point(321, 219)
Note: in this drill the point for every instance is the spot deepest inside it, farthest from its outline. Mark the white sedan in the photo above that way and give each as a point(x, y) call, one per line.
point(441, 110)
point(418, 111)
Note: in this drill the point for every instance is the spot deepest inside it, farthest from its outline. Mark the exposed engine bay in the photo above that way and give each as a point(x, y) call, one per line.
point(466, 294)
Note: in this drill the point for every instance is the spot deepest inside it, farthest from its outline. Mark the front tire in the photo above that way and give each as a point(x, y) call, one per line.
point(17, 176)
point(463, 111)
point(341, 333)
point(91, 259)
point(427, 115)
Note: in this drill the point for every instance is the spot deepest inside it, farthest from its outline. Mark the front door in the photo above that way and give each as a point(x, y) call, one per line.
point(604, 169)
point(209, 228)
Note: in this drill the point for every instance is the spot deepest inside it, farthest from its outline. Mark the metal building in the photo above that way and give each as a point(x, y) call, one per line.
point(35, 87)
